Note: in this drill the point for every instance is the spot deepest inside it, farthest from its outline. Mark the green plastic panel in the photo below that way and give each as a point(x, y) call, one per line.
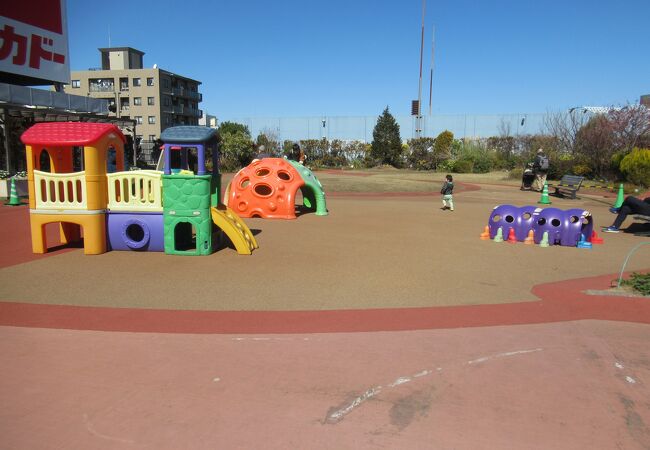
point(186, 202)
point(312, 192)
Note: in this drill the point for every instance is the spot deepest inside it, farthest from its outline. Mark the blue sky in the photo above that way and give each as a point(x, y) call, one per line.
point(339, 58)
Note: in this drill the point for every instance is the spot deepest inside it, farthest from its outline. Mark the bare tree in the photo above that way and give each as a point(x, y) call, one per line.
point(270, 139)
point(564, 127)
point(505, 128)
point(630, 126)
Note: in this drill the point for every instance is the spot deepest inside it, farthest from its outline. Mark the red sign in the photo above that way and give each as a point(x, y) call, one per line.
point(34, 40)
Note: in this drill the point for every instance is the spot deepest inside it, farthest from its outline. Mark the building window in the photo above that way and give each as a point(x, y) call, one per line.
point(151, 119)
point(124, 84)
point(150, 101)
point(165, 83)
point(152, 137)
point(150, 81)
point(138, 120)
point(137, 101)
point(76, 83)
point(101, 85)
point(137, 82)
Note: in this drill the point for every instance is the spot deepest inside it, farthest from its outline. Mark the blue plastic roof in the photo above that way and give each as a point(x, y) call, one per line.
point(187, 134)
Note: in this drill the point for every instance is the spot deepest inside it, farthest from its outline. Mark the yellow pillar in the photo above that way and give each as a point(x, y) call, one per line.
point(94, 234)
point(39, 244)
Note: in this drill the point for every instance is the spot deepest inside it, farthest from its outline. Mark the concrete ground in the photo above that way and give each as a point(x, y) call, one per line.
point(387, 324)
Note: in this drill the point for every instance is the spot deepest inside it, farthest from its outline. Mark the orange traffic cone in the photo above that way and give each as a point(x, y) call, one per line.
point(485, 236)
point(595, 239)
point(511, 236)
point(530, 239)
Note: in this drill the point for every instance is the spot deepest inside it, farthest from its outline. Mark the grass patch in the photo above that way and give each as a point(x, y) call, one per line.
point(640, 282)
point(383, 180)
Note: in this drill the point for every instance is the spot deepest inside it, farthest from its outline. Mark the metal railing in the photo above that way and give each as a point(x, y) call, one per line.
point(39, 97)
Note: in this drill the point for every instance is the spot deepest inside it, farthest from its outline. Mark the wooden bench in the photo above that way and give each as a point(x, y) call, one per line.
point(569, 185)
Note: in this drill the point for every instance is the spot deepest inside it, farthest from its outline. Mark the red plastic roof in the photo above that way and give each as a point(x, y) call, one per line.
point(68, 133)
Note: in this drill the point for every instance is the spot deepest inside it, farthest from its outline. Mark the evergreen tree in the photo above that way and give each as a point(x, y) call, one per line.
point(386, 142)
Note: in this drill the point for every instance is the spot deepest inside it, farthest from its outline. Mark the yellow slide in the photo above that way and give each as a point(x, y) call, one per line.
point(235, 228)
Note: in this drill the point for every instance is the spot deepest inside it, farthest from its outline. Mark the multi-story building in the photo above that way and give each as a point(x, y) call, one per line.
point(156, 99)
point(208, 120)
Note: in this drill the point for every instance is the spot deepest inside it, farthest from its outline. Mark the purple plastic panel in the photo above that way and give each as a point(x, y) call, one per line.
point(135, 231)
point(550, 220)
point(576, 222)
point(504, 216)
point(524, 222)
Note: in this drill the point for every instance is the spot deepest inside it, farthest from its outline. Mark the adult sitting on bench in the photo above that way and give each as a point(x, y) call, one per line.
point(631, 205)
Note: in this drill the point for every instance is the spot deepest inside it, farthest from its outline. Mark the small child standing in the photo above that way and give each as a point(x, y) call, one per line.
point(447, 191)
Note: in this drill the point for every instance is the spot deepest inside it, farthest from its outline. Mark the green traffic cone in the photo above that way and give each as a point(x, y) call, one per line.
point(544, 200)
point(620, 197)
point(13, 197)
point(544, 241)
point(499, 235)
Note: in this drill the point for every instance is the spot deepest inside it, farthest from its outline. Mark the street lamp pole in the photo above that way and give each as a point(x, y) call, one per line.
point(418, 118)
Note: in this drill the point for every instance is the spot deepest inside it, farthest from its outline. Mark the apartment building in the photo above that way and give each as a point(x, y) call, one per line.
point(208, 120)
point(155, 98)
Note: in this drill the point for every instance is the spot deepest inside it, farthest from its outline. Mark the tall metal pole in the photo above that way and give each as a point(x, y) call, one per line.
point(433, 45)
point(418, 119)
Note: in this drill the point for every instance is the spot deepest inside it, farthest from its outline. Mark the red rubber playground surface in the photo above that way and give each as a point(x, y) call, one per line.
point(444, 364)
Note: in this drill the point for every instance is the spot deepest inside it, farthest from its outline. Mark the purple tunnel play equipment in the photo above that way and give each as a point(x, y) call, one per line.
point(577, 222)
point(551, 221)
point(135, 231)
point(563, 227)
point(505, 217)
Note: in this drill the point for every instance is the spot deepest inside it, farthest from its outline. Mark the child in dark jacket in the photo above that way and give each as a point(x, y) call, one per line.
point(447, 191)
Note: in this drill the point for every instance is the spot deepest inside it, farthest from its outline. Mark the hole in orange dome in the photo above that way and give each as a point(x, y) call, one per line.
point(244, 183)
point(284, 175)
point(263, 190)
point(262, 172)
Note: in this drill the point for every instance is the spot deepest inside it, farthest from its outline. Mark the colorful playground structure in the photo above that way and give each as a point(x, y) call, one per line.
point(267, 188)
point(552, 225)
point(176, 210)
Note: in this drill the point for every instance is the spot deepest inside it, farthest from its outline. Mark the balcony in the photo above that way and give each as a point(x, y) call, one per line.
point(102, 88)
point(185, 92)
point(193, 112)
point(195, 96)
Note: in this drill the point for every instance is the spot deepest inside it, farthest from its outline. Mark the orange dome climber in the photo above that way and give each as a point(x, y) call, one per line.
point(265, 188)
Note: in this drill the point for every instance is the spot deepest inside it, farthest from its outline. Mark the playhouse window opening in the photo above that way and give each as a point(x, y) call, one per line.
point(44, 162)
point(192, 159)
point(211, 160)
point(111, 160)
point(175, 160)
point(77, 159)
